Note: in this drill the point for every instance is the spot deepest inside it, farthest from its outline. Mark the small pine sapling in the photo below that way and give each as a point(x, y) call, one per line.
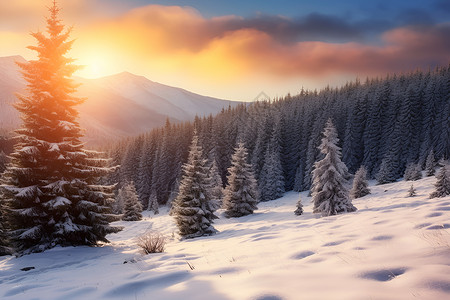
point(299, 209)
point(412, 191)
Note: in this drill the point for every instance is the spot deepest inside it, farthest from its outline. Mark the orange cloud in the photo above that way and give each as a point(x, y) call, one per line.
point(230, 56)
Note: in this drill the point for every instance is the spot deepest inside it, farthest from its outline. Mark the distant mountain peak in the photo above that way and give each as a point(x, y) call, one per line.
point(11, 60)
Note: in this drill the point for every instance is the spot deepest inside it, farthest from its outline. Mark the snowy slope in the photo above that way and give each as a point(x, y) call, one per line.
point(117, 106)
point(166, 100)
point(393, 247)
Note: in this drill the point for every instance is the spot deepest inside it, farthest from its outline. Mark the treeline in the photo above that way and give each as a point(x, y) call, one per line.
point(393, 121)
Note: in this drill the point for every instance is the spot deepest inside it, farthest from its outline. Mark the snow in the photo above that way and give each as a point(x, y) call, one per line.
point(57, 203)
point(393, 247)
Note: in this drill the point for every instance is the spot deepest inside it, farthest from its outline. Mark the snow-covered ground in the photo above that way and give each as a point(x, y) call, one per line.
point(393, 247)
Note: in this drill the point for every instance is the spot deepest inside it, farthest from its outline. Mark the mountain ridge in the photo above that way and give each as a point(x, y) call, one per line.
point(118, 105)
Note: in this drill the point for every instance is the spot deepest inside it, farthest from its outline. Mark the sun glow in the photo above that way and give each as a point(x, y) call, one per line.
point(93, 67)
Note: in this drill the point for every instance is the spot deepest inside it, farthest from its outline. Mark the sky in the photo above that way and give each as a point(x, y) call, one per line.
point(238, 49)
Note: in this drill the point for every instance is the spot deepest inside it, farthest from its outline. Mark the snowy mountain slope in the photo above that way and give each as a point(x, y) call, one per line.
point(118, 105)
point(393, 247)
point(166, 100)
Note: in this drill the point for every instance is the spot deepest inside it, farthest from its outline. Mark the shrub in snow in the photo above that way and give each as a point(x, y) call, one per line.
point(132, 210)
point(153, 203)
point(413, 172)
point(193, 207)
point(52, 183)
point(430, 164)
point(241, 193)
point(442, 186)
point(360, 186)
point(330, 185)
point(152, 242)
point(299, 210)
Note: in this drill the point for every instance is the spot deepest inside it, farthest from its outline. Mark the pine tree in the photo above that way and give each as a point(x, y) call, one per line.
point(442, 186)
point(153, 202)
point(330, 186)
point(430, 164)
point(385, 175)
point(412, 191)
point(194, 210)
point(413, 172)
point(119, 203)
point(4, 239)
point(360, 186)
point(132, 210)
point(241, 194)
point(271, 179)
point(299, 207)
point(216, 189)
point(51, 184)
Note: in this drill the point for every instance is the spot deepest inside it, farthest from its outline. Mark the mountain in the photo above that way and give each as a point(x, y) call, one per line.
point(117, 106)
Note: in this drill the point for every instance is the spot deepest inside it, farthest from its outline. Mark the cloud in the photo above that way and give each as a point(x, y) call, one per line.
point(273, 44)
point(178, 46)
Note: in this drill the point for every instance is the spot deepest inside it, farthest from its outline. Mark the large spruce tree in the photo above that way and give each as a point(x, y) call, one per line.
point(241, 193)
point(194, 208)
point(330, 185)
point(51, 185)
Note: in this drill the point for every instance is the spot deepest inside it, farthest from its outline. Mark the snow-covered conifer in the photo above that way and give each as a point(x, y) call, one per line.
point(413, 172)
point(271, 179)
point(412, 191)
point(360, 186)
point(330, 185)
point(299, 207)
point(4, 239)
point(430, 164)
point(153, 203)
point(241, 193)
point(216, 189)
point(52, 183)
point(193, 208)
point(132, 210)
point(384, 174)
point(119, 203)
point(442, 186)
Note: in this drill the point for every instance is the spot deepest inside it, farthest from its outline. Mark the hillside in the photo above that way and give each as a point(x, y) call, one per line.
point(117, 106)
point(393, 247)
